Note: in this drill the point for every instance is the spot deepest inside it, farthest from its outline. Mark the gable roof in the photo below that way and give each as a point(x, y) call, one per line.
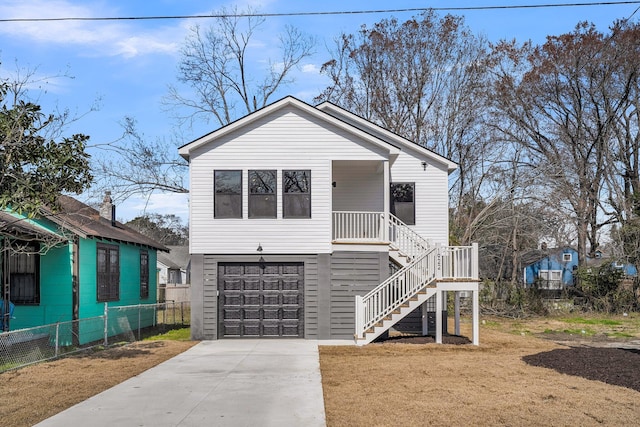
point(386, 134)
point(178, 257)
point(86, 222)
point(365, 130)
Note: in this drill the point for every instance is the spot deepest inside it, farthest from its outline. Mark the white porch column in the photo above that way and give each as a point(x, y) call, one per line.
point(387, 199)
point(438, 317)
point(476, 317)
point(456, 311)
point(425, 319)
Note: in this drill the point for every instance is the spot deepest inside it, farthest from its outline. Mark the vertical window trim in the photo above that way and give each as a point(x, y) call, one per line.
point(144, 275)
point(284, 194)
point(274, 194)
point(113, 290)
point(215, 193)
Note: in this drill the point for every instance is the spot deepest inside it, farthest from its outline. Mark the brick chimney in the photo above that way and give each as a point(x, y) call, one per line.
point(108, 209)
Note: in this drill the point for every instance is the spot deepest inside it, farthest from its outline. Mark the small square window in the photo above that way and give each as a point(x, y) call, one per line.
point(566, 258)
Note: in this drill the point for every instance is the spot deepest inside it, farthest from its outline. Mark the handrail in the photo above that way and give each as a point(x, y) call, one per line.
point(396, 290)
point(358, 226)
point(439, 262)
point(405, 239)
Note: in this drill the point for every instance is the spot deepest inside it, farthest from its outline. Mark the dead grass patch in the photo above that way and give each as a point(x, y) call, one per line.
point(34, 393)
point(409, 384)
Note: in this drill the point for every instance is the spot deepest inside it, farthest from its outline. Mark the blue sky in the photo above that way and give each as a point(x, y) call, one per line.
point(124, 67)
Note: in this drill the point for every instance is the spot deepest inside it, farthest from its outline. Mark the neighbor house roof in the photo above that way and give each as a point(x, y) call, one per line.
point(364, 129)
point(77, 218)
point(178, 257)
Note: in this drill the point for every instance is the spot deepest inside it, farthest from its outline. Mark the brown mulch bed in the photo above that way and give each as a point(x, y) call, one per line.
point(616, 366)
point(426, 339)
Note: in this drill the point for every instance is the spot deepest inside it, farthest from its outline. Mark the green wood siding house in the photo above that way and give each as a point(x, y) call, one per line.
point(65, 265)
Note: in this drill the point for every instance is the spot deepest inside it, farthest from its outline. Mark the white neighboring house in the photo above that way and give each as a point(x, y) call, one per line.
point(297, 213)
point(174, 268)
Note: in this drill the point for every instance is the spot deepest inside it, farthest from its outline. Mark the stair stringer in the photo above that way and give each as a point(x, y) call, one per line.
point(413, 303)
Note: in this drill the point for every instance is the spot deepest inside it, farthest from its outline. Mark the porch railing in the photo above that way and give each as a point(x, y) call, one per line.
point(358, 226)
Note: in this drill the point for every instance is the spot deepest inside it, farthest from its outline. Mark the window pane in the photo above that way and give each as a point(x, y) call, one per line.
point(262, 182)
point(402, 202)
point(296, 181)
point(262, 206)
point(228, 194)
point(228, 206)
point(228, 182)
point(297, 206)
point(144, 275)
point(24, 286)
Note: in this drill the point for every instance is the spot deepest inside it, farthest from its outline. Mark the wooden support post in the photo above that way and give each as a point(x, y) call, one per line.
point(456, 310)
point(425, 318)
point(438, 317)
point(476, 317)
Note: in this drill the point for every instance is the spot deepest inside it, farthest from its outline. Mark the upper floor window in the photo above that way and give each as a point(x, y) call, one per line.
point(403, 202)
point(227, 201)
point(566, 257)
point(144, 274)
point(262, 193)
point(108, 272)
point(24, 269)
point(296, 196)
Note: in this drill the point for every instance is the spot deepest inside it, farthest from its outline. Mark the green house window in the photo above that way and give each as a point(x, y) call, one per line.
point(144, 274)
point(108, 272)
point(24, 269)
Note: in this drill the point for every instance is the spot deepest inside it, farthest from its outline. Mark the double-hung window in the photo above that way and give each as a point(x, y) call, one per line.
point(296, 194)
point(108, 272)
point(144, 274)
point(227, 201)
point(262, 193)
point(24, 269)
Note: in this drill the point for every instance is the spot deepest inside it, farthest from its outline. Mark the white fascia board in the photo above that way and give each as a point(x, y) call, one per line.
point(397, 139)
point(186, 149)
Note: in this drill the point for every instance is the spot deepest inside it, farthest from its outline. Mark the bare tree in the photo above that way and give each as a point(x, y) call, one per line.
point(560, 101)
point(425, 80)
point(216, 66)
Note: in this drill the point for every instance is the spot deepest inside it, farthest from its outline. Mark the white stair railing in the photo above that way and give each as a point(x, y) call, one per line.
point(440, 262)
point(395, 291)
point(406, 240)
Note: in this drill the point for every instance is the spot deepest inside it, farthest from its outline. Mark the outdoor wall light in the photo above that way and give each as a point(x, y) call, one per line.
point(333, 184)
point(259, 249)
point(424, 166)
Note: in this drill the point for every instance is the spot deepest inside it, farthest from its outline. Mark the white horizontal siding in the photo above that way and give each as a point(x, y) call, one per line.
point(287, 139)
point(359, 186)
point(431, 194)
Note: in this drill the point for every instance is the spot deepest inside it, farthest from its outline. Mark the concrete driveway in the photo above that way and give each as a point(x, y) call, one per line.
point(215, 383)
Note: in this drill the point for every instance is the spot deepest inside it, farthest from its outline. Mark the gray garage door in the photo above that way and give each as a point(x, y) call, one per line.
point(261, 300)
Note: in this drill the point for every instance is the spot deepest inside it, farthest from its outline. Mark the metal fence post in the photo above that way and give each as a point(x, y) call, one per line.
point(139, 320)
point(57, 337)
point(106, 323)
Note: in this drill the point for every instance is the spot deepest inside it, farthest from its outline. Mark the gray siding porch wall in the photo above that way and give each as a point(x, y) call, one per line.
point(331, 283)
point(353, 273)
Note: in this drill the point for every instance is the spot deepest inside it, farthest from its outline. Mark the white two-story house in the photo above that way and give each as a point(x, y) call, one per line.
point(312, 222)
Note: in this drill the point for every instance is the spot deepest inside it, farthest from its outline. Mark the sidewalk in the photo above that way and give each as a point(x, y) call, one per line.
point(215, 383)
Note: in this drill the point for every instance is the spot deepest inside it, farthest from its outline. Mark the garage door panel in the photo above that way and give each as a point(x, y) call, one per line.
point(271, 284)
point(261, 300)
point(252, 284)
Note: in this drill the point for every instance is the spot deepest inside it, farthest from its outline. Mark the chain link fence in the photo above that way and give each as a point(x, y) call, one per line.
point(117, 325)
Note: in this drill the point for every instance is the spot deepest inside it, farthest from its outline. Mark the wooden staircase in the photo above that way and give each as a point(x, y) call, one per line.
point(424, 266)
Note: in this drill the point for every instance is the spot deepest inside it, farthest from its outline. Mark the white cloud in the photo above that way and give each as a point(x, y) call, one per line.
point(91, 38)
point(310, 68)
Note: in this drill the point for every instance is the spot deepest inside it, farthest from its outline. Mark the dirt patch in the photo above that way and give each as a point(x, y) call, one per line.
point(34, 393)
